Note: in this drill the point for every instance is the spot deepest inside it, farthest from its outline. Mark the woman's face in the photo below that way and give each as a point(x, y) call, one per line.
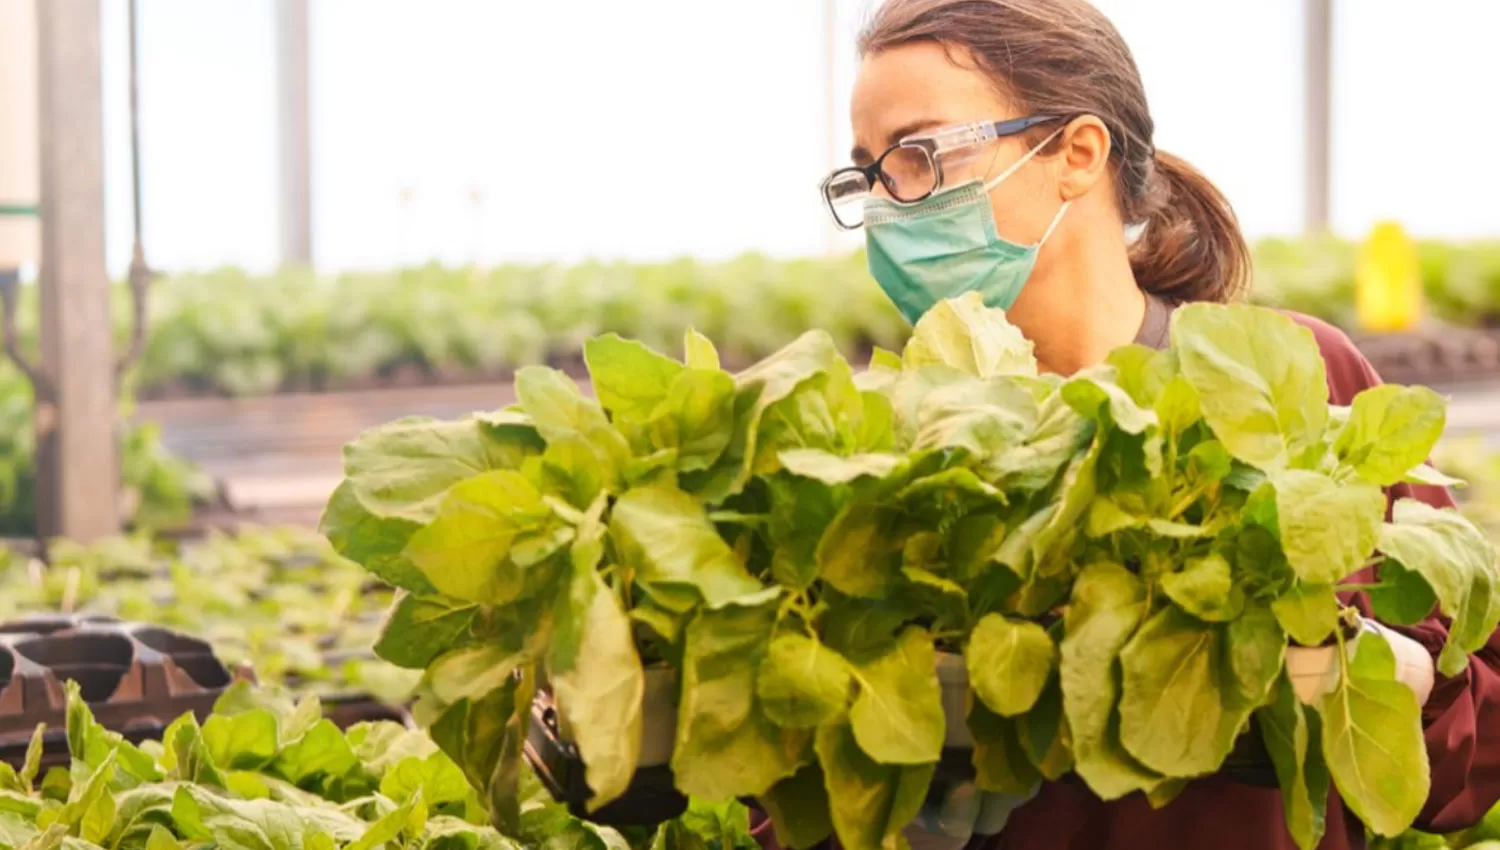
point(916, 88)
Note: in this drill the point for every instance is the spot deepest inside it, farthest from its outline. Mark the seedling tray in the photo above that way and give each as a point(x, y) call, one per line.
point(136, 679)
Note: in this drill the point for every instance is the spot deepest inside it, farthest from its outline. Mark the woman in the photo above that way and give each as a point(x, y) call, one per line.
point(1005, 147)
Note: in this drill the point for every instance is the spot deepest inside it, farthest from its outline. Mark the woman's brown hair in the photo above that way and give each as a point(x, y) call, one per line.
point(1063, 57)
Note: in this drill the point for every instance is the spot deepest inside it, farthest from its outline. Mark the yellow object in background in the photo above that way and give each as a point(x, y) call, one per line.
point(1388, 281)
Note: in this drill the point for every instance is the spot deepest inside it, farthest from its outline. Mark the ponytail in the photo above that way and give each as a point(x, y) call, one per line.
point(1191, 248)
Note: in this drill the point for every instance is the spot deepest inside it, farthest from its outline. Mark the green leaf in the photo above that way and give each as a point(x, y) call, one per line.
point(373, 542)
point(90, 808)
point(870, 803)
point(1403, 597)
point(861, 629)
point(799, 809)
point(1095, 394)
point(91, 743)
point(1178, 406)
point(1257, 648)
point(756, 390)
point(1308, 612)
point(1107, 607)
point(1205, 589)
point(186, 756)
point(1001, 763)
point(407, 818)
point(1328, 530)
point(983, 417)
point(1210, 461)
point(420, 628)
point(1458, 564)
point(877, 424)
point(832, 469)
point(484, 737)
point(801, 510)
point(1391, 430)
point(244, 741)
point(161, 839)
point(965, 334)
point(801, 683)
point(1141, 371)
point(629, 378)
point(575, 469)
point(897, 717)
point(1372, 741)
point(598, 682)
point(321, 751)
point(520, 636)
point(401, 470)
point(1179, 710)
point(466, 551)
point(1260, 379)
point(857, 555)
point(33, 763)
point(666, 538)
point(50, 839)
point(726, 746)
point(556, 406)
point(699, 350)
point(696, 418)
point(884, 360)
point(1292, 737)
point(1008, 663)
point(823, 412)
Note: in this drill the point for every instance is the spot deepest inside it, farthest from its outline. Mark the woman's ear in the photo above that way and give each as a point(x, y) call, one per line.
point(1084, 156)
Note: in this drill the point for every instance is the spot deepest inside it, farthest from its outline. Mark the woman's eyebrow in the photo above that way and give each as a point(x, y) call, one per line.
point(911, 128)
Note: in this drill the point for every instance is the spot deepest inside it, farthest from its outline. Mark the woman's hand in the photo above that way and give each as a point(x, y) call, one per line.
point(1414, 667)
point(957, 813)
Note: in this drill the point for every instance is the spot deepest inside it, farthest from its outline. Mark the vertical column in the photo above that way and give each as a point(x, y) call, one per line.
point(1319, 104)
point(830, 107)
point(294, 130)
point(78, 483)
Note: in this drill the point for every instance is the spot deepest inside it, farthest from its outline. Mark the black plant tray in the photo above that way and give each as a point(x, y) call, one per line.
point(651, 798)
point(136, 679)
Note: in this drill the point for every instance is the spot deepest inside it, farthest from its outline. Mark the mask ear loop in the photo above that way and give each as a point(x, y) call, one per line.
point(1057, 219)
point(1022, 161)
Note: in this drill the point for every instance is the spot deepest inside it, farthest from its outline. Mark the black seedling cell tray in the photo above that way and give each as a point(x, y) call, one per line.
point(136, 679)
point(651, 798)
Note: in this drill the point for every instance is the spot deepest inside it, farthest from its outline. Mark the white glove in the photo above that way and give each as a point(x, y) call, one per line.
point(963, 813)
point(1315, 670)
point(1414, 667)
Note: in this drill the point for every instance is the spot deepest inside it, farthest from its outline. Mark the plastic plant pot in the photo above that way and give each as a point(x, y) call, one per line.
point(953, 679)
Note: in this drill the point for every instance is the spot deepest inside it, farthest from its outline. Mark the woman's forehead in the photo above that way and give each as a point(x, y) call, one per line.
point(920, 84)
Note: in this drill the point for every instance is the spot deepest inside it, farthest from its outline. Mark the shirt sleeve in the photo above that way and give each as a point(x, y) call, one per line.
point(1462, 717)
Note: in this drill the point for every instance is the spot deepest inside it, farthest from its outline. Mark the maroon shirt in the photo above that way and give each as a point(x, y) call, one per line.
point(1461, 719)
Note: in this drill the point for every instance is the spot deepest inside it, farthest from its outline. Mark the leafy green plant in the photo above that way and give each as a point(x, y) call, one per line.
point(1122, 558)
point(266, 773)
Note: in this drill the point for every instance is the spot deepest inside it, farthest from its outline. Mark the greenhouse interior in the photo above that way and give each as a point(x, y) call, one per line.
point(725, 425)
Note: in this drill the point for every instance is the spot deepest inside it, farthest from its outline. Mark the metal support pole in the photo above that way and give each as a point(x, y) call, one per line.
point(1319, 105)
point(76, 420)
point(294, 129)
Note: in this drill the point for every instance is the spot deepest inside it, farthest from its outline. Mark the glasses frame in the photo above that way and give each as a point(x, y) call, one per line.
point(933, 145)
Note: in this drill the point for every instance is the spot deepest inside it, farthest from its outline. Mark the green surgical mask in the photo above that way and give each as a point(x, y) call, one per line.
point(947, 245)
